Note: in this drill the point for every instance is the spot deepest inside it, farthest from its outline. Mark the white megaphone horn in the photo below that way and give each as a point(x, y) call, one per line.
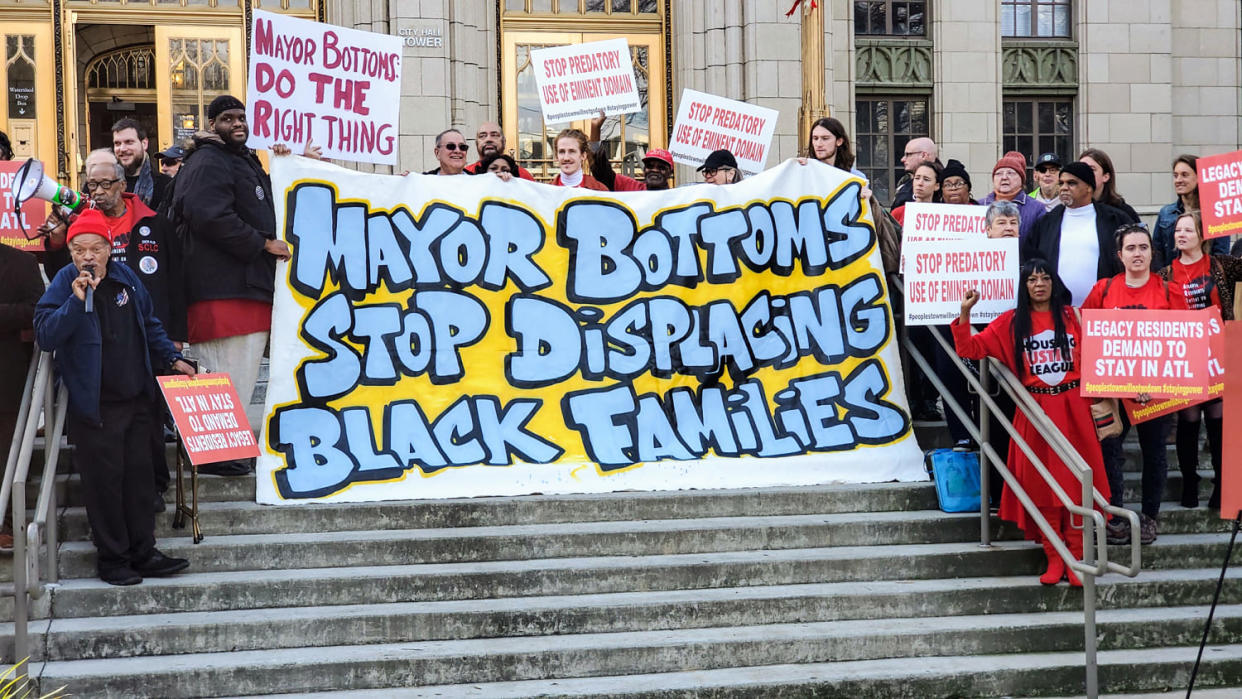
point(31, 183)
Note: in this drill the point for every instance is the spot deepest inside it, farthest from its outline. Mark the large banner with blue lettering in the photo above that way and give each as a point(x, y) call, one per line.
point(438, 337)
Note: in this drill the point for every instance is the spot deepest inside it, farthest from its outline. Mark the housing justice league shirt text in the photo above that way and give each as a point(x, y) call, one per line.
point(1045, 361)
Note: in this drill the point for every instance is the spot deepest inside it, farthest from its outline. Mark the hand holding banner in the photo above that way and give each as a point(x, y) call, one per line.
point(339, 87)
point(706, 123)
point(582, 80)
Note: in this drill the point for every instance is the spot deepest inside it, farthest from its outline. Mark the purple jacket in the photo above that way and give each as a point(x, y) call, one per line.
point(1030, 210)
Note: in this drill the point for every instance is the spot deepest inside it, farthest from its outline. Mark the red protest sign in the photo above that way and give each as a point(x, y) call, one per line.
point(1142, 412)
point(14, 227)
point(1231, 457)
point(1131, 351)
point(210, 417)
point(1220, 193)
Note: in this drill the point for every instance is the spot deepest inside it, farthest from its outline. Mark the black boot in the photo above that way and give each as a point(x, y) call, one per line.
point(1188, 460)
point(1214, 425)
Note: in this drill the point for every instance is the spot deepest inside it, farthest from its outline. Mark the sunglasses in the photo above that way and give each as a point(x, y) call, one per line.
point(169, 162)
point(463, 147)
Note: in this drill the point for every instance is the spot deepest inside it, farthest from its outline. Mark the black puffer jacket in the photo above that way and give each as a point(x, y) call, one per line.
point(222, 207)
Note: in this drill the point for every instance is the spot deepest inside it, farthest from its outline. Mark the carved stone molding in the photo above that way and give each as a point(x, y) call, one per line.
point(893, 63)
point(1040, 66)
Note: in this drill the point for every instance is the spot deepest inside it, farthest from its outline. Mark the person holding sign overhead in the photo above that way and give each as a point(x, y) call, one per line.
point(573, 159)
point(1136, 287)
point(1040, 341)
point(1200, 280)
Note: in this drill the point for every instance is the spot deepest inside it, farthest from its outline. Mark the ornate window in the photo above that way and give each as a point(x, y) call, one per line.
point(198, 73)
point(884, 126)
point(890, 17)
point(1033, 126)
point(19, 68)
point(533, 24)
point(1035, 18)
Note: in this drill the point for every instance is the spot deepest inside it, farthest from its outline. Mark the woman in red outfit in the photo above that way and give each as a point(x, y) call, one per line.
point(1040, 342)
point(1197, 280)
point(1136, 287)
point(571, 156)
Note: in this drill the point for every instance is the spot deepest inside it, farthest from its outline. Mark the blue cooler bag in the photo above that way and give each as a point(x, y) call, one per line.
point(956, 474)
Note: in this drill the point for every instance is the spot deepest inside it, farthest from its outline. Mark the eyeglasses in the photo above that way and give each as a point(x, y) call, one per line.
point(92, 185)
point(711, 172)
point(169, 162)
point(463, 147)
point(912, 153)
point(1133, 228)
point(954, 185)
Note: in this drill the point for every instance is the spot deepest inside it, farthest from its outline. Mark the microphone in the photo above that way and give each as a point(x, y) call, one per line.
point(90, 290)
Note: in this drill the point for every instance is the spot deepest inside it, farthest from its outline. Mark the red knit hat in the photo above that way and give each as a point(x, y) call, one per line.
point(1012, 160)
point(89, 221)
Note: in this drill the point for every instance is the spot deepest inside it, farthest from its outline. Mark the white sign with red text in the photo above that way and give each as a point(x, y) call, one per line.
point(581, 80)
point(940, 272)
point(338, 87)
point(929, 221)
point(707, 123)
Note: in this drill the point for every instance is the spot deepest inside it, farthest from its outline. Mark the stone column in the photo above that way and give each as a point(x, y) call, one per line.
point(966, 97)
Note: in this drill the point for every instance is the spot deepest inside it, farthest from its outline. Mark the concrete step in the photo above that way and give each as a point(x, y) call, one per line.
point(224, 514)
point(626, 538)
point(250, 518)
point(586, 655)
point(1025, 675)
point(156, 633)
point(375, 584)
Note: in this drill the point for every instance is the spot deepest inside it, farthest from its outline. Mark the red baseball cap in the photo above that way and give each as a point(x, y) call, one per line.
point(659, 154)
point(89, 221)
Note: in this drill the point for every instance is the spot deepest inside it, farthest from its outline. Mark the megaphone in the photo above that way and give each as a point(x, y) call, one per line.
point(29, 182)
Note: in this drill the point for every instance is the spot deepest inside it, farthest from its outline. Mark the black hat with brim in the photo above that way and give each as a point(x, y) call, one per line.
point(718, 159)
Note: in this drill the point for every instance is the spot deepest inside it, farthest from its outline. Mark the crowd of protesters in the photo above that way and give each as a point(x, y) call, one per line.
point(175, 262)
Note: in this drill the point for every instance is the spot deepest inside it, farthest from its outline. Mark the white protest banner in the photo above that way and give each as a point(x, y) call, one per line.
point(581, 80)
point(706, 123)
point(339, 87)
point(939, 272)
point(929, 221)
point(438, 337)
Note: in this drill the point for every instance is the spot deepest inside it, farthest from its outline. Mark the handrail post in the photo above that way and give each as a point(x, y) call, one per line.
point(985, 463)
point(1088, 589)
point(21, 615)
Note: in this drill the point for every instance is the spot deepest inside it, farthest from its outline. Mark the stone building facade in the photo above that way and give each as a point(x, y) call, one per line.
point(1143, 80)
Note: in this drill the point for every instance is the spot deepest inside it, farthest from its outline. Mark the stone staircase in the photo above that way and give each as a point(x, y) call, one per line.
point(850, 590)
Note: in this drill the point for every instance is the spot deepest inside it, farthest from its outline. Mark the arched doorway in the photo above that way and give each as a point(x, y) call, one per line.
point(121, 83)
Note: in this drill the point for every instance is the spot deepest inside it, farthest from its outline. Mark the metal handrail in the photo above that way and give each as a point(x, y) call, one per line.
point(1068, 455)
point(41, 399)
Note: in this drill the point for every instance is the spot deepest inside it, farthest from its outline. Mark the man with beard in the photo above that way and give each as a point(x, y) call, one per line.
point(129, 143)
point(488, 141)
point(222, 206)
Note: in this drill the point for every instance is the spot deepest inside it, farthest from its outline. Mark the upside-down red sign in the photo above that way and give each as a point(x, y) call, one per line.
point(210, 417)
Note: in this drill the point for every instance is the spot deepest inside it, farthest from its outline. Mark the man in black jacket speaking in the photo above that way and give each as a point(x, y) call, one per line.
point(222, 205)
point(1077, 237)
